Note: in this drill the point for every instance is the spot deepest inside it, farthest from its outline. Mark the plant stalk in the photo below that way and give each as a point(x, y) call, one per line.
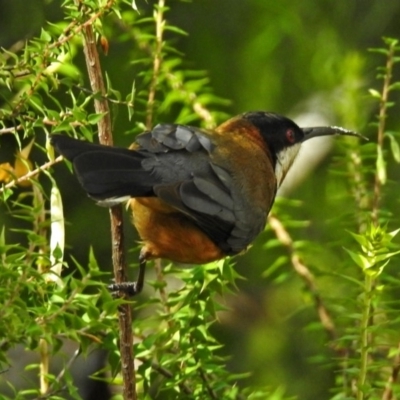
point(365, 320)
point(160, 23)
point(116, 217)
point(381, 129)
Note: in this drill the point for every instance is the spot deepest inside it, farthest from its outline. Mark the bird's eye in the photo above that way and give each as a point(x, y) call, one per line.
point(290, 136)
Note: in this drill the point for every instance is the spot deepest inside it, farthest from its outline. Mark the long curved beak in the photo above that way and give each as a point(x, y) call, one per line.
point(310, 133)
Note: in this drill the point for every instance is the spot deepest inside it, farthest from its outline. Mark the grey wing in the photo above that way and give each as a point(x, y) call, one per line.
point(189, 181)
point(167, 137)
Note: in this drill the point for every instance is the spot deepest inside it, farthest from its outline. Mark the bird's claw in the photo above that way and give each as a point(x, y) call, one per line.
point(128, 288)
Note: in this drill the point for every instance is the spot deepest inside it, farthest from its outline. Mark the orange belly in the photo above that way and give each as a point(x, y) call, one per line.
point(169, 234)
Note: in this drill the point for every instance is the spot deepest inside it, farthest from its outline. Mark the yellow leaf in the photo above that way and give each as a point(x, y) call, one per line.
point(21, 167)
point(6, 172)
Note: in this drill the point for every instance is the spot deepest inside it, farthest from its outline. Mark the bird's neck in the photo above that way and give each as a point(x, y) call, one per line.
point(246, 130)
point(284, 160)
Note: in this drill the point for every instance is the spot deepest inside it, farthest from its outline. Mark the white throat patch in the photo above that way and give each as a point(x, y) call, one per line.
point(284, 161)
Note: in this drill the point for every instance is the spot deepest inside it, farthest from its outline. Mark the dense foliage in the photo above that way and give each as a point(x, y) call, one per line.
point(311, 311)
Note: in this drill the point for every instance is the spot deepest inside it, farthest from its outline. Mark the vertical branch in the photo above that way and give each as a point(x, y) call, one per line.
point(44, 366)
point(97, 84)
point(380, 177)
point(305, 274)
point(388, 393)
point(365, 340)
point(38, 228)
point(381, 131)
point(161, 289)
point(159, 17)
point(308, 278)
point(118, 254)
point(159, 20)
point(358, 188)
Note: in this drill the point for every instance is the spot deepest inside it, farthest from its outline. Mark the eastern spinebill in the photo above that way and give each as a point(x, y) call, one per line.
point(197, 195)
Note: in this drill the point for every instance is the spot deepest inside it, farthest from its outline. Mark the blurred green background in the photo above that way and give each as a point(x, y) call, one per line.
point(306, 59)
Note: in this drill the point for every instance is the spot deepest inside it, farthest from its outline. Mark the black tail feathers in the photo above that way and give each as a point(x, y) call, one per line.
point(109, 175)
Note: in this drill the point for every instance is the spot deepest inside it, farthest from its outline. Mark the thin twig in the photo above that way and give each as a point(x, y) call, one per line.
point(48, 395)
point(11, 129)
point(203, 375)
point(45, 121)
point(159, 21)
point(358, 189)
point(210, 390)
point(118, 253)
point(67, 302)
point(308, 278)
point(384, 101)
point(51, 392)
point(381, 130)
point(68, 365)
point(106, 97)
point(302, 270)
point(14, 48)
point(365, 340)
point(168, 374)
point(192, 97)
point(161, 288)
point(31, 174)
point(159, 15)
point(69, 33)
point(44, 366)
point(388, 393)
point(173, 79)
point(39, 228)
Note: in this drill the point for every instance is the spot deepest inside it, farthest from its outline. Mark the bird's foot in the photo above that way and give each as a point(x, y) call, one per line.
point(129, 288)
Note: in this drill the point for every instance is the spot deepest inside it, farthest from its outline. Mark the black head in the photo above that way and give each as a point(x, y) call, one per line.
point(284, 137)
point(277, 131)
point(280, 132)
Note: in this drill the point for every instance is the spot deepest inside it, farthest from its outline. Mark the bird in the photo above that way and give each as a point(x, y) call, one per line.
point(196, 195)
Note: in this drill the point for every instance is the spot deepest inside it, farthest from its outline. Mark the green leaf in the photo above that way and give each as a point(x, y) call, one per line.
point(93, 119)
point(44, 35)
point(280, 261)
point(394, 233)
point(395, 86)
point(375, 272)
point(374, 93)
point(175, 29)
point(394, 146)
point(385, 256)
point(362, 240)
point(381, 51)
point(134, 6)
point(360, 260)
point(381, 166)
point(64, 126)
point(130, 98)
point(389, 41)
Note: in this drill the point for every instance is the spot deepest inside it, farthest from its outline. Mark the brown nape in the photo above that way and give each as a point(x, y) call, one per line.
point(169, 234)
point(245, 129)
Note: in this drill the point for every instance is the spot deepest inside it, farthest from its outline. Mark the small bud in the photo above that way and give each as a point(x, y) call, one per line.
point(104, 45)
